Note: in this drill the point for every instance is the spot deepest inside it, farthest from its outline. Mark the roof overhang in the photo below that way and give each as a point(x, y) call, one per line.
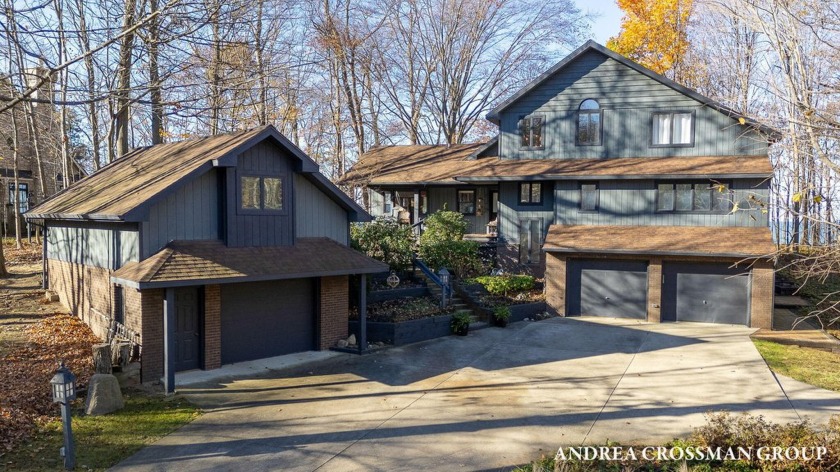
point(519, 178)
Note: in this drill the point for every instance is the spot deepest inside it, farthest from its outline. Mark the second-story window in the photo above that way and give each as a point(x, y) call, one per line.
point(693, 197)
point(530, 193)
point(261, 193)
point(672, 129)
point(531, 132)
point(589, 123)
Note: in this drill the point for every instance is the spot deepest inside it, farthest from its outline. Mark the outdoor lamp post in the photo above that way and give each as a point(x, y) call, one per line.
point(63, 386)
point(443, 274)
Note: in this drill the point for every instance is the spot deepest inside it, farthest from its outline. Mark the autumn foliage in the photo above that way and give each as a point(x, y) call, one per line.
point(654, 33)
point(25, 397)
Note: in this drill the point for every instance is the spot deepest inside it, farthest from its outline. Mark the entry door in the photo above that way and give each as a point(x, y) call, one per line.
point(187, 329)
point(494, 205)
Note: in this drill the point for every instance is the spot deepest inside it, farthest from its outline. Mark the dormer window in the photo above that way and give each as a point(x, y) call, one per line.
point(531, 132)
point(261, 193)
point(589, 129)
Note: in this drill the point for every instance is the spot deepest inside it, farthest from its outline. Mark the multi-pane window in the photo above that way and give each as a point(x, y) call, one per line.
point(466, 202)
point(531, 132)
point(589, 197)
point(21, 197)
point(530, 193)
point(261, 193)
point(693, 196)
point(589, 123)
point(672, 129)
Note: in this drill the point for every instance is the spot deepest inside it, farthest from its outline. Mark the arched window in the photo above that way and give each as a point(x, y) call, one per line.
point(589, 123)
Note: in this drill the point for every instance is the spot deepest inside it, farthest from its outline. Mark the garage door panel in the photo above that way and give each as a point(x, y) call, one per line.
point(710, 293)
point(265, 319)
point(608, 288)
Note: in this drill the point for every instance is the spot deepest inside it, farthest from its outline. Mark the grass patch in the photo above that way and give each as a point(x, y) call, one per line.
point(812, 366)
point(102, 441)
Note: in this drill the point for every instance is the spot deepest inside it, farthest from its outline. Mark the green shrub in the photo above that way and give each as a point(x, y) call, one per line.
point(460, 321)
point(502, 284)
point(460, 257)
point(386, 240)
point(443, 226)
point(501, 313)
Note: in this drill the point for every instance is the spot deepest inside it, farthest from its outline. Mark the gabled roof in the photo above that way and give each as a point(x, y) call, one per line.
point(590, 45)
point(414, 165)
point(125, 189)
point(702, 241)
point(183, 263)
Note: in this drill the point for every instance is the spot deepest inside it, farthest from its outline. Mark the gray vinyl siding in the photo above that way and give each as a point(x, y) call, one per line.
point(627, 99)
point(190, 213)
point(511, 213)
point(317, 215)
point(633, 202)
point(99, 245)
point(446, 197)
point(269, 229)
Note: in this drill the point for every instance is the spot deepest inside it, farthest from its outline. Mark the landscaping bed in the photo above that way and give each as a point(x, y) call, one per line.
point(525, 299)
point(404, 320)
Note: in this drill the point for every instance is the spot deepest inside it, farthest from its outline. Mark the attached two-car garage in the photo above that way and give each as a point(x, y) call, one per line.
point(702, 292)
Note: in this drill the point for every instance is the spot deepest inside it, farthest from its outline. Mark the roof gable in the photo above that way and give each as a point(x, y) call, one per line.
point(592, 47)
point(127, 187)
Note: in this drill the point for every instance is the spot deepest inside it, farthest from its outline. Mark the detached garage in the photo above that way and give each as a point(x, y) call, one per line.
point(661, 273)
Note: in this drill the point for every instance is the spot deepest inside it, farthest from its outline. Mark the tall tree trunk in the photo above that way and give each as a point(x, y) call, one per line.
point(90, 71)
point(123, 96)
point(154, 76)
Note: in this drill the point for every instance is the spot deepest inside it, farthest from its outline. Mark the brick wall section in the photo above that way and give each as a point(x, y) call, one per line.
point(333, 310)
point(762, 291)
point(84, 290)
point(654, 298)
point(212, 327)
point(555, 284)
point(151, 308)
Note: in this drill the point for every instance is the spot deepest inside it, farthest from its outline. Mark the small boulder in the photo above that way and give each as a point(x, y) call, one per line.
point(351, 339)
point(104, 395)
point(341, 343)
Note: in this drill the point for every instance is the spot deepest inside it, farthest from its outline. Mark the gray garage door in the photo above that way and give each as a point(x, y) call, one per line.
point(264, 319)
point(711, 293)
point(607, 288)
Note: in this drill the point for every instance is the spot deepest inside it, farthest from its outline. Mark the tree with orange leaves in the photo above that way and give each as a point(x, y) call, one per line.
point(654, 33)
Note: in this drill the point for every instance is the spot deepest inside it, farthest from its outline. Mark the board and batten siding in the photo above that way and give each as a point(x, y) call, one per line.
point(268, 229)
point(633, 202)
point(511, 213)
point(97, 245)
point(317, 215)
point(189, 213)
point(627, 99)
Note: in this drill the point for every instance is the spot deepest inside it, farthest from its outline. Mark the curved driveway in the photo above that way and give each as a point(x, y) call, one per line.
point(493, 399)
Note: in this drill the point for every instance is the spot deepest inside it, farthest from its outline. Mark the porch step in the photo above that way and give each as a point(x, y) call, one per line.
point(455, 302)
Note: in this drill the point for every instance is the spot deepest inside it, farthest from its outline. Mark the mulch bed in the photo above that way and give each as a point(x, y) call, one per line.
point(402, 309)
point(479, 295)
point(25, 396)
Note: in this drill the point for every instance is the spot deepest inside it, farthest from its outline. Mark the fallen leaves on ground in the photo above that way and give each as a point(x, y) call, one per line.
point(25, 396)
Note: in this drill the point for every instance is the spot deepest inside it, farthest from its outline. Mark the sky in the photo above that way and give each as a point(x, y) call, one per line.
point(607, 23)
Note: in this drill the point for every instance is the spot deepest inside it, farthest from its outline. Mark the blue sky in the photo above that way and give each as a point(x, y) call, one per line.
point(607, 23)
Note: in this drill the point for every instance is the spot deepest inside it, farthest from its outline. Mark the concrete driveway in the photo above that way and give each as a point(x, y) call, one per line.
point(493, 399)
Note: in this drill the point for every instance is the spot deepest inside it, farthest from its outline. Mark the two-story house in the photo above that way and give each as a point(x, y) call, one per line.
point(633, 196)
point(206, 252)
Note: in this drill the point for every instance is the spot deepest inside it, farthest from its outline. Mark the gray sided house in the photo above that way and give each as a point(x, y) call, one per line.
point(206, 252)
point(634, 196)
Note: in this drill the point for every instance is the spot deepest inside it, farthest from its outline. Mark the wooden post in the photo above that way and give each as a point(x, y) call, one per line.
point(102, 358)
point(363, 315)
point(416, 206)
point(169, 341)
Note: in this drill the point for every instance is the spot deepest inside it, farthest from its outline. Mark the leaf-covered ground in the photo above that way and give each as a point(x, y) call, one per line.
point(403, 309)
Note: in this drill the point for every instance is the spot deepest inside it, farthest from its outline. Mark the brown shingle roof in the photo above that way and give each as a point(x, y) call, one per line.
point(442, 165)
point(625, 167)
point(742, 242)
point(141, 174)
point(413, 164)
point(183, 263)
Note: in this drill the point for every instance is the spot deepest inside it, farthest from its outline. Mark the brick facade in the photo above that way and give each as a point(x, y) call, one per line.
point(151, 309)
point(334, 310)
point(761, 285)
point(84, 290)
point(212, 327)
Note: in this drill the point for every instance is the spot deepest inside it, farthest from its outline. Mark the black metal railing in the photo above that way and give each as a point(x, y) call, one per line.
point(445, 289)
